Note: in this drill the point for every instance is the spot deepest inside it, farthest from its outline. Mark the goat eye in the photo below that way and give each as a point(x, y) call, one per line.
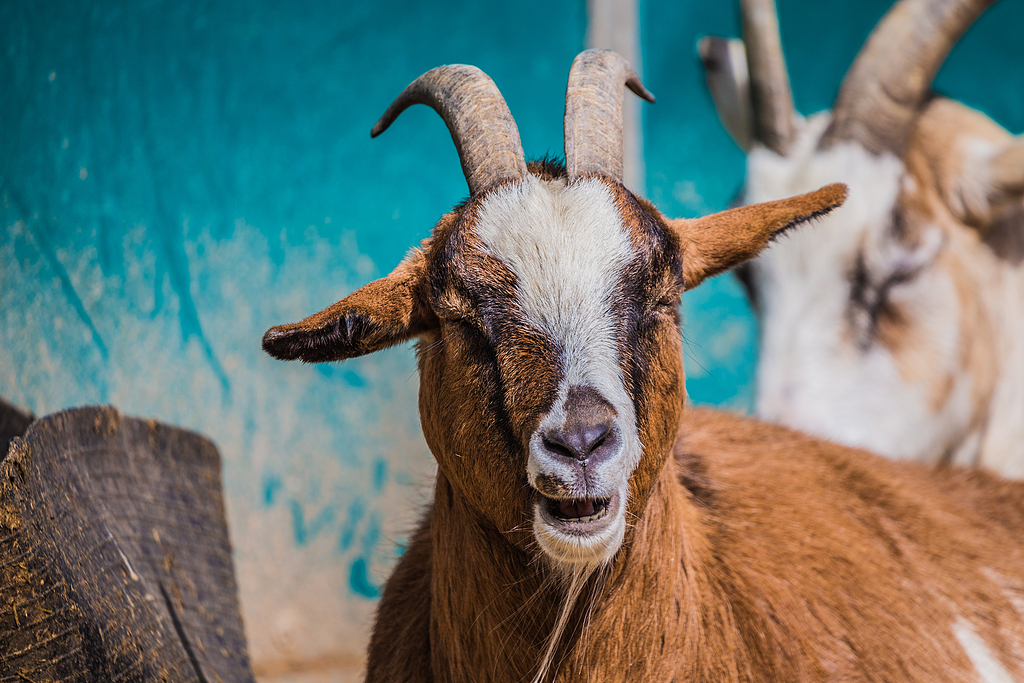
point(470, 324)
point(870, 295)
point(671, 303)
point(666, 307)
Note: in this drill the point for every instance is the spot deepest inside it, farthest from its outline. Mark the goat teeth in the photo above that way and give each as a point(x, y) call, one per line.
point(589, 518)
point(595, 509)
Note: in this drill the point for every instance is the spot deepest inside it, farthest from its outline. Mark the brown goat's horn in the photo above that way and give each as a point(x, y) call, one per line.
point(593, 112)
point(481, 125)
point(770, 94)
point(892, 75)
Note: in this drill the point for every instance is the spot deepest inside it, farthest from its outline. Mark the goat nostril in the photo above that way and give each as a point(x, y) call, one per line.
point(595, 437)
point(553, 444)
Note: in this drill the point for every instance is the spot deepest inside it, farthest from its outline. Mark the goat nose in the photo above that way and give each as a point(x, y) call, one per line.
point(577, 443)
point(588, 429)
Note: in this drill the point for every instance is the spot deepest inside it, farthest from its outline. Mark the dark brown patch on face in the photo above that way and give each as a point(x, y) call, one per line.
point(873, 315)
point(493, 374)
point(870, 313)
point(649, 288)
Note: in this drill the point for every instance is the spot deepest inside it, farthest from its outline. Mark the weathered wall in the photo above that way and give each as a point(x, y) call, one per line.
point(177, 176)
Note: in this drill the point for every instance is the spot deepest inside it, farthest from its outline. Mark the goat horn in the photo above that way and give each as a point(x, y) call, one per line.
point(481, 125)
point(892, 75)
point(593, 112)
point(770, 94)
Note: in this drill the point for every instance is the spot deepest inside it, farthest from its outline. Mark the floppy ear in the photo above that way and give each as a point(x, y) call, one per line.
point(716, 243)
point(381, 314)
point(725, 72)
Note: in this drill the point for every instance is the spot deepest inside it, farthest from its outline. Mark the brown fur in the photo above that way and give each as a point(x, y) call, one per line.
point(715, 243)
point(939, 156)
point(355, 325)
point(803, 561)
point(753, 554)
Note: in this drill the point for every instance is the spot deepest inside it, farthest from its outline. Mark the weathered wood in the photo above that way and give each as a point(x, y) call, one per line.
point(13, 422)
point(115, 562)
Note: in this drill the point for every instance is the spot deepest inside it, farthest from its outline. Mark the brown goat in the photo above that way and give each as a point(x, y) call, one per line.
point(583, 528)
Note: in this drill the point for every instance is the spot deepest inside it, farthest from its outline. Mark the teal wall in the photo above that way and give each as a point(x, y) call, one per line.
point(175, 178)
point(178, 176)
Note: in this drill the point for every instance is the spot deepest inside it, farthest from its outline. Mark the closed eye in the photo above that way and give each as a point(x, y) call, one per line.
point(668, 306)
point(870, 298)
point(672, 300)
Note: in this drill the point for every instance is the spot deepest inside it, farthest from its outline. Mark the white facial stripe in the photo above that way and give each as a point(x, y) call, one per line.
point(567, 246)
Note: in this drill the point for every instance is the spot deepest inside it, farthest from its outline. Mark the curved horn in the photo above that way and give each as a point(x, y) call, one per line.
point(892, 74)
point(481, 125)
point(770, 94)
point(593, 112)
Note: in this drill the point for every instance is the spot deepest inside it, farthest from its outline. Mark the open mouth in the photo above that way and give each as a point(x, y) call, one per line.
point(578, 517)
point(577, 509)
point(574, 531)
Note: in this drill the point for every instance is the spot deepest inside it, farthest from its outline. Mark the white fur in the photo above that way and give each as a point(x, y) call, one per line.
point(567, 246)
point(985, 663)
point(814, 374)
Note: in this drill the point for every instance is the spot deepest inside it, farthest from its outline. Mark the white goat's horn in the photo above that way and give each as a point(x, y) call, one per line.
point(593, 112)
point(770, 94)
point(892, 75)
point(481, 125)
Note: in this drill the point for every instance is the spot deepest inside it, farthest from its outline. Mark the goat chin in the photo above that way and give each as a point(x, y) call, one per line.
point(570, 551)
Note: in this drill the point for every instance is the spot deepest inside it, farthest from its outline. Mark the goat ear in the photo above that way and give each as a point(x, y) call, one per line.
point(381, 314)
point(984, 190)
point(1006, 173)
point(716, 243)
point(725, 71)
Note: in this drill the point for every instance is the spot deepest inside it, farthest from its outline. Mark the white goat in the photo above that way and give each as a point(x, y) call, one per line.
point(898, 323)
